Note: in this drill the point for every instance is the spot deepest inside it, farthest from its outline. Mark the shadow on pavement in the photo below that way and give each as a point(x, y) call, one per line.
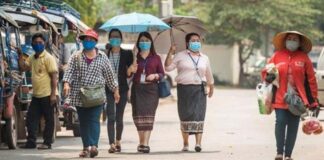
point(167, 152)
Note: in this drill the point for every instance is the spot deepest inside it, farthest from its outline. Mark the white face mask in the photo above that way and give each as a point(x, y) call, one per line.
point(292, 45)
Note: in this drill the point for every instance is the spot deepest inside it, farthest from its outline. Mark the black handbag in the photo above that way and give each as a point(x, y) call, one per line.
point(164, 88)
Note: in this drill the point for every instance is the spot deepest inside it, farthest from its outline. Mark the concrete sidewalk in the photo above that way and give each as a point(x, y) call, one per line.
point(233, 131)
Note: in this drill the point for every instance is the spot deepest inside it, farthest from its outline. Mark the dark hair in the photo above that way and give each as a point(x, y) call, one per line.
point(38, 35)
point(188, 37)
point(147, 35)
point(115, 30)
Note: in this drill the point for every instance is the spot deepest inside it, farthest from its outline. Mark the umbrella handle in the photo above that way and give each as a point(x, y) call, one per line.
point(135, 52)
point(171, 36)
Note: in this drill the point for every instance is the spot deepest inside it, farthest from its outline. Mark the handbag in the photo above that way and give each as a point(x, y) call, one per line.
point(295, 104)
point(91, 95)
point(164, 88)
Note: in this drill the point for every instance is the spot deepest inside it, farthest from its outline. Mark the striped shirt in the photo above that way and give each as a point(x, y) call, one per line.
point(98, 72)
point(114, 59)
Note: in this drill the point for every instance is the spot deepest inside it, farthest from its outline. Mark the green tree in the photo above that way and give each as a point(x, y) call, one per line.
point(88, 10)
point(243, 22)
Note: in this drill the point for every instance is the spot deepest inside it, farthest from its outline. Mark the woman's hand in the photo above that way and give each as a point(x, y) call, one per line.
point(66, 89)
point(172, 50)
point(211, 90)
point(152, 77)
point(116, 95)
point(135, 50)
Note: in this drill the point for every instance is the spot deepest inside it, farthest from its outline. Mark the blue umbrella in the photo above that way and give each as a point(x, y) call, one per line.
point(135, 22)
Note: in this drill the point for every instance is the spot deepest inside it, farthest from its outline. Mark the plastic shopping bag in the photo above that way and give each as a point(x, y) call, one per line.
point(264, 94)
point(272, 69)
point(311, 125)
point(295, 103)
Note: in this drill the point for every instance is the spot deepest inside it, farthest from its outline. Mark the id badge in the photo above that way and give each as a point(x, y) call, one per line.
point(143, 78)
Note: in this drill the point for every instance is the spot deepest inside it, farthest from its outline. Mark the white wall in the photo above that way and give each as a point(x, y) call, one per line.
point(224, 62)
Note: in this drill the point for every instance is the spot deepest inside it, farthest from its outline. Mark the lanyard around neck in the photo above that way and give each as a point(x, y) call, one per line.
point(115, 63)
point(193, 61)
point(144, 65)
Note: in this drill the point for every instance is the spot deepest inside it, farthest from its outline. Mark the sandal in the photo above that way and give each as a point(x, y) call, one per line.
point(118, 148)
point(44, 147)
point(279, 157)
point(198, 148)
point(185, 149)
point(112, 149)
point(140, 148)
point(84, 153)
point(93, 152)
point(146, 149)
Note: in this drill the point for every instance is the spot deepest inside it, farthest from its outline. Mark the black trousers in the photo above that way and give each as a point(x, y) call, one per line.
point(115, 114)
point(40, 107)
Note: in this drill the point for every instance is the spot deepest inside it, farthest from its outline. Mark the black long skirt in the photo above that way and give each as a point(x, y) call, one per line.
point(191, 108)
point(144, 100)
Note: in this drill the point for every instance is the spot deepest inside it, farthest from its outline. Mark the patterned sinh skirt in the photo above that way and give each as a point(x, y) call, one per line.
point(144, 99)
point(191, 108)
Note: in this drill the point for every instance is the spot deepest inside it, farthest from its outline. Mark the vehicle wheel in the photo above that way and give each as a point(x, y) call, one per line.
point(11, 131)
point(76, 130)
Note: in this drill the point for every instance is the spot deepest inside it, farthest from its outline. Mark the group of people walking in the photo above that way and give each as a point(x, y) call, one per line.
point(91, 72)
point(112, 70)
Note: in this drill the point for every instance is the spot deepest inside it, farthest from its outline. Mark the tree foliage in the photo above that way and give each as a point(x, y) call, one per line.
point(243, 22)
point(87, 8)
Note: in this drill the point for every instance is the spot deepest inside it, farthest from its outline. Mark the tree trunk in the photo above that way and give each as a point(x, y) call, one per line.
point(241, 62)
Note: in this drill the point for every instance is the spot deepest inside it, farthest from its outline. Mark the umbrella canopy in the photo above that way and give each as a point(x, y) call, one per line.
point(180, 27)
point(135, 22)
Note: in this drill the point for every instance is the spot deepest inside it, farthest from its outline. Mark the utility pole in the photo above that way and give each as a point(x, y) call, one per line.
point(165, 8)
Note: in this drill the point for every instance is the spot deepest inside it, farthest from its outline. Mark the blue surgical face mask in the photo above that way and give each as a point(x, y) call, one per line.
point(145, 46)
point(115, 42)
point(89, 45)
point(292, 45)
point(38, 48)
point(195, 46)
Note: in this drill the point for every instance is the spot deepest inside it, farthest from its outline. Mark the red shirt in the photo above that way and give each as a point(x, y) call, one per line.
point(301, 72)
point(152, 64)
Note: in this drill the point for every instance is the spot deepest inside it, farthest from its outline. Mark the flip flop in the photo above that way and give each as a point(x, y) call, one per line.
point(44, 147)
point(84, 153)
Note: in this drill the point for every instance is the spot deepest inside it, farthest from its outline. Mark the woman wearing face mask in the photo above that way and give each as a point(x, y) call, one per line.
point(145, 97)
point(296, 72)
point(194, 82)
point(121, 61)
point(89, 67)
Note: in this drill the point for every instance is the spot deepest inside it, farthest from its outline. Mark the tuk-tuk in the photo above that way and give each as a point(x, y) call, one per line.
point(10, 79)
point(31, 21)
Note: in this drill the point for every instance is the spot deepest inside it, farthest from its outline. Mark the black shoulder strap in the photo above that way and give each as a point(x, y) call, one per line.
point(308, 90)
point(78, 55)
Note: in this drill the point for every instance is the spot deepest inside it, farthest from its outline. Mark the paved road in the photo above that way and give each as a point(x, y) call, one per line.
point(233, 131)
